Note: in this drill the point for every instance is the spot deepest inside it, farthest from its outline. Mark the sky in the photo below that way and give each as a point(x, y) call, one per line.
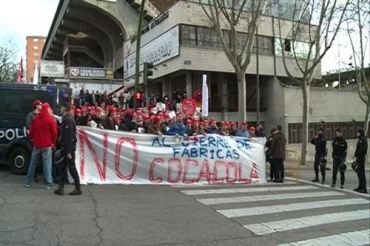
point(21, 18)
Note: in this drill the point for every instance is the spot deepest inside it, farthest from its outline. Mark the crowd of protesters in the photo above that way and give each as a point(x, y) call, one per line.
point(114, 112)
point(104, 111)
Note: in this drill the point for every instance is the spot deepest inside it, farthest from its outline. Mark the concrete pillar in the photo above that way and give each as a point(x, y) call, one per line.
point(189, 83)
point(166, 87)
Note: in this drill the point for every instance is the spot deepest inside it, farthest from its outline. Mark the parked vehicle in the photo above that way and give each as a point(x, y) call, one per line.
point(15, 103)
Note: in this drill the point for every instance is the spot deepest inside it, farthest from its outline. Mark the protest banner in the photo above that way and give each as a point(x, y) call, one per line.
point(114, 157)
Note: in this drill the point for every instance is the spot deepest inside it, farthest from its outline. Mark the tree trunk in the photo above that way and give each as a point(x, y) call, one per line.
point(306, 106)
point(242, 94)
point(366, 122)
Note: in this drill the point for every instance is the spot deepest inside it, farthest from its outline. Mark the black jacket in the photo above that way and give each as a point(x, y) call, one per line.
point(320, 145)
point(339, 148)
point(361, 148)
point(68, 134)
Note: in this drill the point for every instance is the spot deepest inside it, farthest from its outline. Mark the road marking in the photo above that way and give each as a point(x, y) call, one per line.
point(355, 238)
point(193, 185)
point(239, 212)
point(309, 221)
point(247, 190)
point(240, 199)
point(326, 186)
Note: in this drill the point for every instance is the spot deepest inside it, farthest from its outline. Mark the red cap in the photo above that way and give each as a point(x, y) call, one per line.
point(112, 110)
point(36, 103)
point(128, 113)
point(99, 109)
point(78, 110)
point(156, 119)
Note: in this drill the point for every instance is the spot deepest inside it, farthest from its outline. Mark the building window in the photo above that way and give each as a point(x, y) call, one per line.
point(348, 129)
point(206, 37)
point(287, 46)
point(35, 40)
point(265, 45)
point(35, 47)
point(188, 35)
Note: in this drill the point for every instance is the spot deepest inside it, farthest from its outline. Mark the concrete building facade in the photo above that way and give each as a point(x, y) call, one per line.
point(34, 47)
point(178, 39)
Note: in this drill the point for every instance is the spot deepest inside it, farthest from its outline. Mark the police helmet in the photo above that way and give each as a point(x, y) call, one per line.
point(342, 167)
point(58, 156)
point(354, 166)
point(323, 161)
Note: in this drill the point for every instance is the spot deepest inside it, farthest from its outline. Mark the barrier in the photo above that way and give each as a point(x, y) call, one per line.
point(115, 157)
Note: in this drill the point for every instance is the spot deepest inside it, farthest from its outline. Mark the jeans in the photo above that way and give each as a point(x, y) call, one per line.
point(46, 155)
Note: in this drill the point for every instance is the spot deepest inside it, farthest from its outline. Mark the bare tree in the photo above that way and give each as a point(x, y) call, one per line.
point(358, 26)
point(305, 41)
point(8, 65)
point(229, 18)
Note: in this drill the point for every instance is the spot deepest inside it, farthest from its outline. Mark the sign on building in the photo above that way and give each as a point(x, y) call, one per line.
point(54, 69)
point(160, 49)
point(90, 73)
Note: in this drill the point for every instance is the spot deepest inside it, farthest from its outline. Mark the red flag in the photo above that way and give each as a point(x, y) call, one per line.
point(20, 71)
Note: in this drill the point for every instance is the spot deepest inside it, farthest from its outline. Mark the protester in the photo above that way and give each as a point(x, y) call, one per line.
point(320, 147)
point(178, 127)
point(213, 127)
point(278, 154)
point(68, 140)
point(360, 155)
point(43, 135)
point(36, 107)
point(156, 127)
point(339, 156)
point(243, 131)
point(260, 132)
point(109, 122)
point(224, 131)
point(128, 124)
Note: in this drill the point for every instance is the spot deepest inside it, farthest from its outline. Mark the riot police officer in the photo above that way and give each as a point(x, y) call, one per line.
point(67, 140)
point(320, 147)
point(360, 154)
point(339, 156)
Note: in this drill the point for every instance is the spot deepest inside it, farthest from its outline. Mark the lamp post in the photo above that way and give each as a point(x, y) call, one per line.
point(138, 42)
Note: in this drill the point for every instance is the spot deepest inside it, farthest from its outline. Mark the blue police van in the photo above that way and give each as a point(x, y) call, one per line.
point(15, 104)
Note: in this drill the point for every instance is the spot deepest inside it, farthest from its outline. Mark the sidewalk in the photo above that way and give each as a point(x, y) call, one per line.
point(309, 165)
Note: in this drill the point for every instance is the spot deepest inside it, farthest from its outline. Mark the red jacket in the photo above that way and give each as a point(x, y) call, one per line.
point(44, 130)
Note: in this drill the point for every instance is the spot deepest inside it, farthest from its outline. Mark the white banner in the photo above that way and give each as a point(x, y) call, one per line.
point(114, 157)
point(205, 96)
point(53, 69)
point(156, 51)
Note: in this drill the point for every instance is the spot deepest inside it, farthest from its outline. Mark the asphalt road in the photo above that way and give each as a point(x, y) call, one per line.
point(266, 214)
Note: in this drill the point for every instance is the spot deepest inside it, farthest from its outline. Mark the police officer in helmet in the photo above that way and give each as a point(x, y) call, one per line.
point(339, 156)
point(320, 146)
point(360, 154)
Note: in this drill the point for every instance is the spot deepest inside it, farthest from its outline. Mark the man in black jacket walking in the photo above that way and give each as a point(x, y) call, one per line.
point(320, 146)
point(360, 154)
point(67, 140)
point(339, 156)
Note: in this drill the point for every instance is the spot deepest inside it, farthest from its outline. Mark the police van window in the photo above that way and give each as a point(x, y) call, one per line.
point(16, 103)
point(12, 104)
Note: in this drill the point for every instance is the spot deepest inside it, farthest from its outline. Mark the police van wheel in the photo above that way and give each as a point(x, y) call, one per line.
point(19, 159)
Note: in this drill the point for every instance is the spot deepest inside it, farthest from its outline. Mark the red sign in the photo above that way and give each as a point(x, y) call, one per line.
point(189, 106)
